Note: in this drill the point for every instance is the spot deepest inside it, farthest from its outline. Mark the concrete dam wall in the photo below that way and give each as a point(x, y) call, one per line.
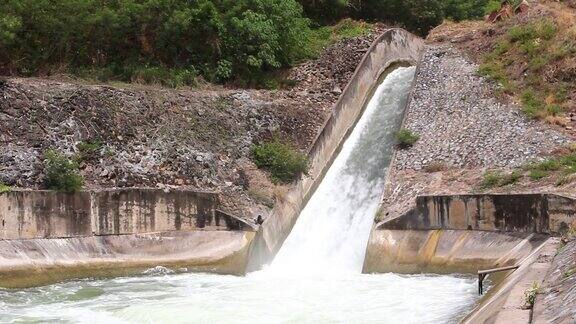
point(50, 214)
point(57, 236)
point(395, 46)
point(48, 236)
point(519, 213)
point(466, 233)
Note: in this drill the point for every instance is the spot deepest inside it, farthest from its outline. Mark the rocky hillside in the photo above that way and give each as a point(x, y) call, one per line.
point(134, 135)
point(475, 137)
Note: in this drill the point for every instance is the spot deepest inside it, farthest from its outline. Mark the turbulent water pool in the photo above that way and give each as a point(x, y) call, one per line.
point(261, 297)
point(316, 276)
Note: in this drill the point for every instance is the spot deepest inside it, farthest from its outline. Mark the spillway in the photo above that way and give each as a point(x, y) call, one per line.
point(316, 276)
point(333, 228)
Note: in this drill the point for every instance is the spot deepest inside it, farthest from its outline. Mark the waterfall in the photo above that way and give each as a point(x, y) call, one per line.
point(332, 230)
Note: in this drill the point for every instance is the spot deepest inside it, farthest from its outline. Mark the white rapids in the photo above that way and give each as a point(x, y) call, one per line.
point(315, 278)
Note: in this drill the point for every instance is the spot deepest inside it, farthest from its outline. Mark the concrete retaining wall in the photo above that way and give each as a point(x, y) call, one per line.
point(48, 236)
point(51, 214)
point(32, 262)
point(519, 213)
point(393, 46)
point(445, 251)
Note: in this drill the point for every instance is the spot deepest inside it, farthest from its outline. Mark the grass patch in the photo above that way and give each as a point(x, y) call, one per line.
point(532, 105)
point(496, 178)
point(88, 150)
point(61, 172)
point(283, 162)
point(563, 166)
point(510, 178)
point(4, 188)
point(530, 295)
point(530, 48)
point(490, 179)
point(323, 37)
point(569, 272)
point(495, 71)
point(406, 138)
point(536, 175)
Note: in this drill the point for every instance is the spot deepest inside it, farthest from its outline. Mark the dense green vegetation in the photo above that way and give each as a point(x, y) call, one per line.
point(416, 15)
point(61, 172)
point(172, 42)
point(152, 40)
point(283, 162)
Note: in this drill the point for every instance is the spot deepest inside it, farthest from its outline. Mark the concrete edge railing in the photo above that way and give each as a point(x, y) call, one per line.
point(393, 46)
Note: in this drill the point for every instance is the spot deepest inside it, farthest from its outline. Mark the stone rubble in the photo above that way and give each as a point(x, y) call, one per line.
point(463, 131)
point(166, 138)
point(460, 123)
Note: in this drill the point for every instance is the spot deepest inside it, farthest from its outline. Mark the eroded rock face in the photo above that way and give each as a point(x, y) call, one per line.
point(165, 138)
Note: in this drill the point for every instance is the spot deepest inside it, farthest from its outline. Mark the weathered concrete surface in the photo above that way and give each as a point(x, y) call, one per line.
point(27, 214)
point(32, 262)
point(445, 251)
point(506, 302)
point(556, 300)
point(525, 213)
point(36, 214)
point(393, 46)
point(47, 236)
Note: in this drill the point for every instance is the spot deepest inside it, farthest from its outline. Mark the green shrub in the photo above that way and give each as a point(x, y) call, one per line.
point(554, 109)
point(61, 172)
point(510, 178)
point(530, 295)
point(348, 28)
point(492, 6)
point(4, 188)
point(531, 104)
point(501, 48)
point(88, 149)
point(537, 63)
point(406, 138)
point(546, 29)
point(546, 165)
point(569, 272)
point(496, 72)
point(536, 175)
point(496, 178)
point(490, 179)
point(283, 162)
point(522, 33)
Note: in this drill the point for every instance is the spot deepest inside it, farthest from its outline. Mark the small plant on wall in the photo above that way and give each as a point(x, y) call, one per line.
point(530, 295)
point(4, 188)
point(406, 138)
point(61, 172)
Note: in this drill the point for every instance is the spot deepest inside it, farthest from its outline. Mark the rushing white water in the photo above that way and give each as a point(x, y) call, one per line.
point(315, 278)
point(333, 229)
